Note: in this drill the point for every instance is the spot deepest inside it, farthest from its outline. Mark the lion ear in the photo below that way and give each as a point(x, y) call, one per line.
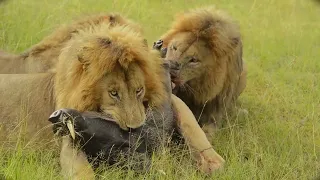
point(82, 60)
point(145, 42)
point(235, 41)
point(104, 42)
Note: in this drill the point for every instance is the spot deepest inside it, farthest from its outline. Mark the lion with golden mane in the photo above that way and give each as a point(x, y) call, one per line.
point(106, 70)
point(204, 48)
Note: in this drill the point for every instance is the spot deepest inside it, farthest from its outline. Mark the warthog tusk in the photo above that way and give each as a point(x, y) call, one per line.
point(67, 121)
point(71, 129)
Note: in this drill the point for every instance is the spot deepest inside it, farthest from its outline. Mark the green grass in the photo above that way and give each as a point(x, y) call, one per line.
point(278, 139)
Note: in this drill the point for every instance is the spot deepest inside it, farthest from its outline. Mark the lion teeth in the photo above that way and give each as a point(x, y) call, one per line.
point(173, 85)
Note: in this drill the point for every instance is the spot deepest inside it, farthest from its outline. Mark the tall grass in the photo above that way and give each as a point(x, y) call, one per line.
point(280, 136)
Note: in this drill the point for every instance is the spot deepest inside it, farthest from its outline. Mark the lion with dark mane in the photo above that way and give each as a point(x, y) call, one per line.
point(204, 48)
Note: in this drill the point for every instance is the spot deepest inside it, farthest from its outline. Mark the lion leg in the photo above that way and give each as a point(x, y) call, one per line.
point(241, 86)
point(242, 80)
point(207, 158)
point(74, 163)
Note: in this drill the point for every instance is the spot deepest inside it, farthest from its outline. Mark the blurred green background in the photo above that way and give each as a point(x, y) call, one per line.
point(280, 136)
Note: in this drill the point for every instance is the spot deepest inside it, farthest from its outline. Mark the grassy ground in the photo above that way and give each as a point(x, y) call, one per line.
point(280, 137)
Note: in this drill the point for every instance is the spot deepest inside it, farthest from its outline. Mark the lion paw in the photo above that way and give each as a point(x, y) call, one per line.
point(209, 161)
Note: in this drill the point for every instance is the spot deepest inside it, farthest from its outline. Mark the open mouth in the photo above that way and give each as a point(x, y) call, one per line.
point(175, 82)
point(174, 87)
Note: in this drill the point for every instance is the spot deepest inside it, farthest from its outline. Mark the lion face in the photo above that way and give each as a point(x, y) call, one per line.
point(189, 58)
point(110, 70)
point(123, 92)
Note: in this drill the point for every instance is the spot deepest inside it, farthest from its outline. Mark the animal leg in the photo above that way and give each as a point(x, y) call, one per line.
point(207, 158)
point(74, 163)
point(242, 80)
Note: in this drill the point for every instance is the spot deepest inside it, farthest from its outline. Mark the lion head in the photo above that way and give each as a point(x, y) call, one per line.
point(110, 70)
point(203, 46)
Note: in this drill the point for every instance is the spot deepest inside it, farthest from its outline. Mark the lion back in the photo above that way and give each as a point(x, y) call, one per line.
point(48, 49)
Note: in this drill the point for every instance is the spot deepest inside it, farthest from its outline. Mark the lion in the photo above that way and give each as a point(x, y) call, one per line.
point(204, 48)
point(161, 124)
point(42, 57)
point(26, 100)
point(106, 70)
point(111, 72)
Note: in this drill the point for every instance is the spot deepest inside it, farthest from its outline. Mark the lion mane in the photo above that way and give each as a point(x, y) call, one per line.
point(74, 82)
point(76, 78)
point(224, 81)
point(89, 56)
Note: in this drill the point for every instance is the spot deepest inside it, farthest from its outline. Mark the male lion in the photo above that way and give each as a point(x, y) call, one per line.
point(98, 144)
point(43, 56)
point(107, 70)
point(205, 50)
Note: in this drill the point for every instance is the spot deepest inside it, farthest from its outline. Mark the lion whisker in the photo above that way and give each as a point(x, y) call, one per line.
point(190, 89)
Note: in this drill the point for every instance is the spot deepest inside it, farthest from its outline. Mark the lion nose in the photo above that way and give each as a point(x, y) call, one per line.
point(175, 65)
point(134, 126)
point(174, 69)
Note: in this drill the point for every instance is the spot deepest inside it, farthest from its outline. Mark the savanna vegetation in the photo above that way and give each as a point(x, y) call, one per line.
point(279, 137)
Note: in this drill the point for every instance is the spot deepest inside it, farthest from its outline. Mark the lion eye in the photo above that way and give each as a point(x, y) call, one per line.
point(193, 60)
point(139, 91)
point(113, 93)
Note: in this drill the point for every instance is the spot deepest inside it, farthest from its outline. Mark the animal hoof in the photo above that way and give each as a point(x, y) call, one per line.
point(163, 52)
point(158, 44)
point(55, 114)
